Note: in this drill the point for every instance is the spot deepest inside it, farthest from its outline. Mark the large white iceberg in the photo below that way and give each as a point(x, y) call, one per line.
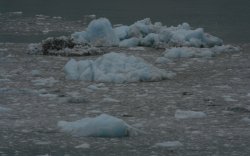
point(100, 126)
point(99, 33)
point(144, 33)
point(116, 68)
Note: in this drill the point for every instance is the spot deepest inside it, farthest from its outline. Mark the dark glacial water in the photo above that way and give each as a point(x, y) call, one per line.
point(228, 19)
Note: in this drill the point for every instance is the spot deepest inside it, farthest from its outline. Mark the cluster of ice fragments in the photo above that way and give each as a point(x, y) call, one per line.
point(100, 126)
point(114, 68)
point(144, 33)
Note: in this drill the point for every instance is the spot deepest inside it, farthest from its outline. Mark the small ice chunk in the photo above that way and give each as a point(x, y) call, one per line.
point(162, 60)
point(225, 48)
point(100, 126)
point(137, 48)
point(45, 82)
point(84, 145)
point(17, 13)
point(35, 73)
point(108, 99)
point(3, 49)
point(169, 144)
point(246, 119)
point(188, 52)
point(94, 87)
point(4, 109)
point(180, 114)
point(228, 98)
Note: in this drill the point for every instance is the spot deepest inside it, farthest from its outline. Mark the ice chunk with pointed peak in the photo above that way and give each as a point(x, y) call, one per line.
point(114, 68)
point(98, 33)
point(100, 126)
point(140, 28)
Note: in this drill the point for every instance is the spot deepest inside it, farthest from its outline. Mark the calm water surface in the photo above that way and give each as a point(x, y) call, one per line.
point(228, 19)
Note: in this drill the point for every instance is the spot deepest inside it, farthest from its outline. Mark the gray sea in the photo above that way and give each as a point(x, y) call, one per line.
point(228, 19)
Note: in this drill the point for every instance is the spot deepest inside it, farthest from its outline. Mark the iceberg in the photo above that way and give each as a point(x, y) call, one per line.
point(98, 33)
point(114, 68)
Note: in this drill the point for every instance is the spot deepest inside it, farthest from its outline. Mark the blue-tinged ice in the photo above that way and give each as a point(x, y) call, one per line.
point(100, 126)
point(115, 68)
point(98, 33)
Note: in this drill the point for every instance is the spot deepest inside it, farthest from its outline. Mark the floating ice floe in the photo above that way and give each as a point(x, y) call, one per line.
point(108, 99)
point(3, 49)
point(144, 33)
point(137, 48)
point(180, 114)
point(4, 109)
point(188, 52)
point(45, 81)
point(100, 86)
point(114, 68)
point(17, 91)
point(246, 120)
point(84, 145)
point(35, 73)
point(169, 144)
point(228, 98)
point(100, 126)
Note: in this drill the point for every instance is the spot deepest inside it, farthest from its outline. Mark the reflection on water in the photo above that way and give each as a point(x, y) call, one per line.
point(227, 19)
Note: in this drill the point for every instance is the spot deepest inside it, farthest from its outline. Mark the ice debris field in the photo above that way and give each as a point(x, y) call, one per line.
point(181, 41)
